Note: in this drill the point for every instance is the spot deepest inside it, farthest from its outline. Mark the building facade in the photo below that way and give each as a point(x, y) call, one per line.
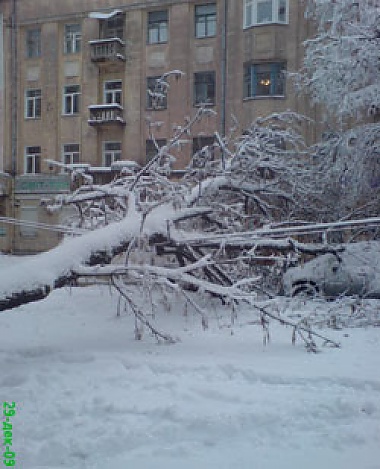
point(75, 80)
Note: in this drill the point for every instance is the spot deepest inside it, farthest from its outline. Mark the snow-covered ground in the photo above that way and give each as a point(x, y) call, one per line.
point(89, 396)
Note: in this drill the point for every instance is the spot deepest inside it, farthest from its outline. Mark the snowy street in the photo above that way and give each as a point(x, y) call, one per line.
point(89, 396)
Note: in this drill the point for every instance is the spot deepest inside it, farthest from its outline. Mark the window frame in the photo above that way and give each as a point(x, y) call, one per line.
point(210, 18)
point(32, 159)
point(199, 153)
point(155, 103)
point(158, 27)
point(72, 152)
point(150, 148)
point(116, 94)
point(252, 75)
point(113, 27)
point(71, 100)
point(111, 152)
point(251, 13)
point(33, 43)
point(33, 104)
point(204, 83)
point(72, 43)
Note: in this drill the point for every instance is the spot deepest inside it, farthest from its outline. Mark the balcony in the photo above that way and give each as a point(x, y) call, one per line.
point(106, 114)
point(107, 50)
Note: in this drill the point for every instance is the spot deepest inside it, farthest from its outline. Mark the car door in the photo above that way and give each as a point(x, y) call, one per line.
point(337, 280)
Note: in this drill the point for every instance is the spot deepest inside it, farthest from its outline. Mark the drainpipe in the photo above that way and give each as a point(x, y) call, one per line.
point(14, 86)
point(14, 100)
point(224, 74)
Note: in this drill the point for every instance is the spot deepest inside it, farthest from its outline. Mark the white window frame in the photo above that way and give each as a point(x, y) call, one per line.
point(70, 153)
point(72, 38)
point(71, 100)
point(113, 95)
point(34, 157)
point(205, 20)
point(33, 103)
point(251, 13)
point(158, 27)
point(110, 155)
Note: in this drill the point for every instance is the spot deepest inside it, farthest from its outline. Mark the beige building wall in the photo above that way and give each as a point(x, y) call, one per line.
point(183, 51)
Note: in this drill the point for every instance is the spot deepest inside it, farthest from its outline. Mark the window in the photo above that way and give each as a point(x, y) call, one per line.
point(151, 149)
point(203, 150)
point(113, 92)
point(73, 38)
point(33, 104)
point(205, 20)
point(157, 27)
point(70, 153)
point(71, 99)
point(33, 43)
point(265, 11)
point(32, 160)
point(204, 88)
point(111, 152)
point(156, 93)
point(113, 27)
point(264, 80)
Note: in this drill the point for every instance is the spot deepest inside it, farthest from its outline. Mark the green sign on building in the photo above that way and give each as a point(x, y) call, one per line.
point(42, 184)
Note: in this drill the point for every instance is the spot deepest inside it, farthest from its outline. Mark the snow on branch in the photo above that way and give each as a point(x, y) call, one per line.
point(341, 64)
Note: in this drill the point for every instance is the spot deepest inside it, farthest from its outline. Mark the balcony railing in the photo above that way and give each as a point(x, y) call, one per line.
point(103, 114)
point(107, 50)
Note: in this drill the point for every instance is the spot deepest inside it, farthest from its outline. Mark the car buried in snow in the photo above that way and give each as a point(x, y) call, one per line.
point(355, 271)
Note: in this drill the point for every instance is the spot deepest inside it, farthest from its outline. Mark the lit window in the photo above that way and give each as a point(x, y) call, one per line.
point(71, 99)
point(33, 104)
point(205, 20)
point(204, 88)
point(265, 12)
point(70, 153)
point(73, 38)
point(111, 153)
point(157, 27)
point(113, 92)
point(264, 80)
point(156, 93)
point(32, 160)
point(33, 43)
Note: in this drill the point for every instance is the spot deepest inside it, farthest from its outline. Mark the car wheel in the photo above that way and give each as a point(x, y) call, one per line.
point(305, 289)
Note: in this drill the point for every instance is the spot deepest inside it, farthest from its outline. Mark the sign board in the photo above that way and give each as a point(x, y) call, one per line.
point(40, 184)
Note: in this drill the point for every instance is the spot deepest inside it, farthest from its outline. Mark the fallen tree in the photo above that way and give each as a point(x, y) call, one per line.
point(226, 215)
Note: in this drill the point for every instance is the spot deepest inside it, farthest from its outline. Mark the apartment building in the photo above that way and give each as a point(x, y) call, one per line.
point(75, 77)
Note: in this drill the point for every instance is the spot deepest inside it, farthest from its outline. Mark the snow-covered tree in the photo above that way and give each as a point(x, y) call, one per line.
point(341, 72)
point(350, 160)
point(342, 62)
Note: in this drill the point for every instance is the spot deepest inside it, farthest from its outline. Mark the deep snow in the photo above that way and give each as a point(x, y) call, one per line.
point(91, 397)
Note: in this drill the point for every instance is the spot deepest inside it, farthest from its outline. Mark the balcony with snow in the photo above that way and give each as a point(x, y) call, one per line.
point(106, 114)
point(110, 46)
point(107, 50)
